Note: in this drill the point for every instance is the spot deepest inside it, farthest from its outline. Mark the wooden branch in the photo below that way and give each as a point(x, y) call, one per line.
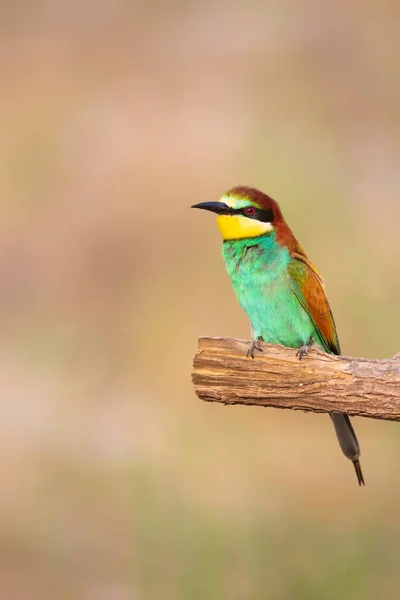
point(319, 383)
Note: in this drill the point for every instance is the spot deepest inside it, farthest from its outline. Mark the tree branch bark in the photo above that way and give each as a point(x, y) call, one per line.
point(319, 383)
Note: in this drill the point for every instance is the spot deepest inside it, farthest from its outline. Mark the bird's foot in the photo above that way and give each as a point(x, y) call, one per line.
point(304, 350)
point(255, 345)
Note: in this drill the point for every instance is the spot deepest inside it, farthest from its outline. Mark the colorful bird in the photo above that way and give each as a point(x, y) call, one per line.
point(278, 287)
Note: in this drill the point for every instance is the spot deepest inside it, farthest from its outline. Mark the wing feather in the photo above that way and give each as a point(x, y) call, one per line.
point(309, 288)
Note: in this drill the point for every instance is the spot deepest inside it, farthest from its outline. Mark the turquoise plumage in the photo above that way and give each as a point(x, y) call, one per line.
point(259, 270)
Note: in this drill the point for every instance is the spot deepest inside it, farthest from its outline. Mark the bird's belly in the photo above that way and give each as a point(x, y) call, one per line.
point(276, 315)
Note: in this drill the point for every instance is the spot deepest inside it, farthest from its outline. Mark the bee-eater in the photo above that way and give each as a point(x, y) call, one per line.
point(278, 287)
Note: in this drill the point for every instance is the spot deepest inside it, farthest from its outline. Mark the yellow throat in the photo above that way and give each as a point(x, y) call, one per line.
point(239, 227)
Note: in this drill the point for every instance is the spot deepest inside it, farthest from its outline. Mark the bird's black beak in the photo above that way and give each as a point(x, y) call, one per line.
point(216, 207)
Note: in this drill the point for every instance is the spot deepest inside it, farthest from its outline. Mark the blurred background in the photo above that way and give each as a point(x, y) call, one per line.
point(116, 481)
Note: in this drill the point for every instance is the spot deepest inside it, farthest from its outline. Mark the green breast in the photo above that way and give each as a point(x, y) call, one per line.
point(258, 268)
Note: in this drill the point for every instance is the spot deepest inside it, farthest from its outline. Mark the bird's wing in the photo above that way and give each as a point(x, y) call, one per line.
point(309, 288)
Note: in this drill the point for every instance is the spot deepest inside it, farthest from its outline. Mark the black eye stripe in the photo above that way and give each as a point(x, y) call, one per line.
point(266, 216)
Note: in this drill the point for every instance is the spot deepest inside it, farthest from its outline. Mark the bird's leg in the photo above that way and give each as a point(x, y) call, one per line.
point(304, 350)
point(255, 345)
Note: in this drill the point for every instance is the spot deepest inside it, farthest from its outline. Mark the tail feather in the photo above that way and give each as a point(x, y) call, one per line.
point(348, 442)
point(359, 472)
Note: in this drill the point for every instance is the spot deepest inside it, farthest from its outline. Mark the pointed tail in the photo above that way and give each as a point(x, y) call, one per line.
point(348, 442)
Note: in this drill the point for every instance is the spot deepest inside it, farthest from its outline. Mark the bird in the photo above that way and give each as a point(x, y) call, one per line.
point(278, 287)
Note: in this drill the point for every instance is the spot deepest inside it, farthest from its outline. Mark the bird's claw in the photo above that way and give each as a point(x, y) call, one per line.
point(254, 345)
point(304, 350)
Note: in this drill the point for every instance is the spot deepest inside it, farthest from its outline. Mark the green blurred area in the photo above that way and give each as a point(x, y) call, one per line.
point(117, 483)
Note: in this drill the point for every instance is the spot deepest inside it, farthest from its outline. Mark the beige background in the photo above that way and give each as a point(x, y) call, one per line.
point(116, 116)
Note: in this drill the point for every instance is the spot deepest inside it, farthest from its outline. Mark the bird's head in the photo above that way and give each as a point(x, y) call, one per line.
point(244, 212)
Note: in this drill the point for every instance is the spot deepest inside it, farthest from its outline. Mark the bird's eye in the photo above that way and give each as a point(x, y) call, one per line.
point(249, 211)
